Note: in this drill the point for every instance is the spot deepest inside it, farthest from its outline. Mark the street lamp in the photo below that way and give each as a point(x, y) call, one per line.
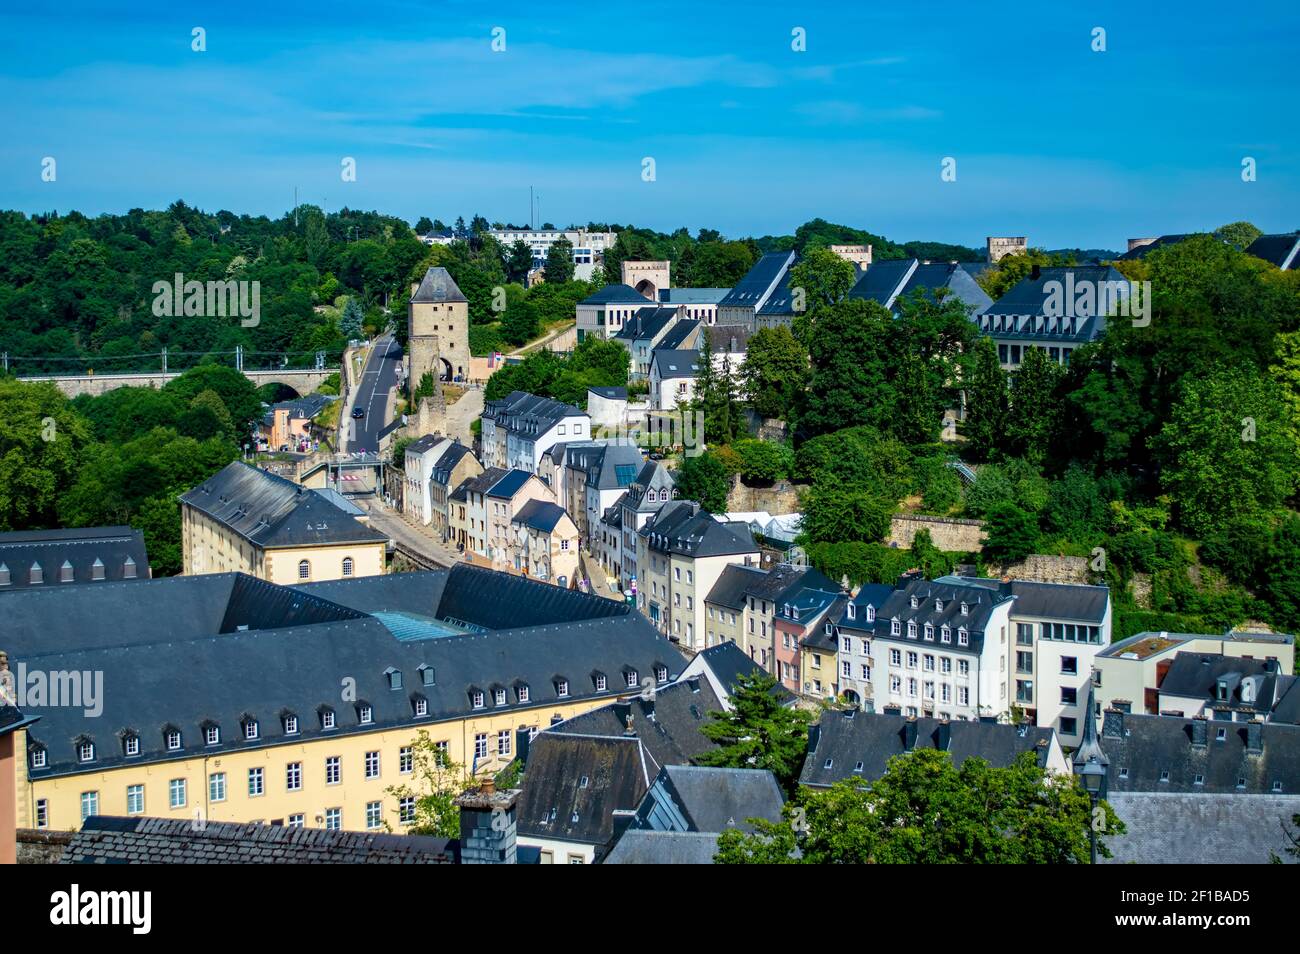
point(1090, 763)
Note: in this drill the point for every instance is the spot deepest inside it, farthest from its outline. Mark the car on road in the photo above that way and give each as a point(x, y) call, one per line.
point(358, 412)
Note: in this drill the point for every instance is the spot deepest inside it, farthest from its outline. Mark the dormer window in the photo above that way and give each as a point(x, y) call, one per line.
point(39, 757)
point(963, 637)
point(894, 627)
point(394, 678)
point(250, 729)
point(915, 602)
point(97, 569)
point(420, 706)
point(172, 740)
point(499, 697)
point(871, 613)
point(631, 677)
point(65, 572)
point(131, 744)
point(911, 629)
point(327, 720)
point(365, 714)
point(945, 634)
point(290, 724)
point(4, 575)
point(426, 675)
point(522, 692)
point(929, 631)
point(1223, 690)
point(211, 735)
point(35, 575)
point(965, 609)
point(600, 682)
point(128, 569)
point(85, 751)
point(476, 699)
point(852, 611)
point(661, 674)
point(562, 687)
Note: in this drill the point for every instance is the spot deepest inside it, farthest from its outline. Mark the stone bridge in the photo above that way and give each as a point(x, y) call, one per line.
point(302, 381)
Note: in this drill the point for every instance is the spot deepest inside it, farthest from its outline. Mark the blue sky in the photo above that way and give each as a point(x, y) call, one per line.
point(1052, 140)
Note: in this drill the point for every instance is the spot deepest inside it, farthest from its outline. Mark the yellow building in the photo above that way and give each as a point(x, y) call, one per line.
point(232, 699)
point(246, 520)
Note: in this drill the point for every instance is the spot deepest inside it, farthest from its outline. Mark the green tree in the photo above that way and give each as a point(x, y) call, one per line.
point(928, 557)
point(1010, 534)
point(520, 262)
point(1238, 234)
point(818, 279)
point(759, 731)
point(775, 372)
point(763, 461)
point(237, 393)
point(840, 513)
point(715, 397)
point(436, 782)
point(924, 810)
point(351, 321)
point(521, 323)
point(1227, 450)
point(559, 262)
point(41, 442)
point(850, 377)
point(987, 417)
point(424, 225)
point(702, 478)
point(1033, 402)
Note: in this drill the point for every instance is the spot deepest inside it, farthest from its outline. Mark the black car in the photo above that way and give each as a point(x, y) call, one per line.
point(358, 412)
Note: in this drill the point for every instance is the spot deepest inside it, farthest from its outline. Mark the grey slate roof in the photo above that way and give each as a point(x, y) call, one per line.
point(1171, 828)
point(528, 415)
point(675, 364)
point(638, 847)
point(692, 296)
point(728, 663)
point(979, 602)
point(105, 839)
point(1281, 250)
point(752, 290)
point(647, 323)
point(1199, 675)
point(612, 394)
point(1075, 601)
point(677, 334)
point(1161, 754)
point(702, 798)
point(685, 528)
point(848, 738)
point(667, 725)
point(614, 294)
point(438, 286)
point(653, 476)
point(729, 338)
point(556, 804)
point(540, 515)
point(882, 281)
point(116, 552)
point(447, 462)
point(270, 511)
point(1143, 250)
point(1030, 297)
point(175, 653)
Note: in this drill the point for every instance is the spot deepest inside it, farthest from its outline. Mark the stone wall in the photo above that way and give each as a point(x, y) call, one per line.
point(1044, 568)
point(36, 847)
point(782, 497)
point(947, 533)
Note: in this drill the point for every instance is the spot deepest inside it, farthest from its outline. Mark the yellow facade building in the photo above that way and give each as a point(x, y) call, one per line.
point(247, 520)
point(226, 698)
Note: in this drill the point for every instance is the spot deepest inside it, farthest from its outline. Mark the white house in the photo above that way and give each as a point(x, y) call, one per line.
point(518, 429)
point(672, 378)
point(421, 456)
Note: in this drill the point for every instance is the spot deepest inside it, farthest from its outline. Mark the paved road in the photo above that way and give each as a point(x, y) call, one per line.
point(421, 540)
point(377, 381)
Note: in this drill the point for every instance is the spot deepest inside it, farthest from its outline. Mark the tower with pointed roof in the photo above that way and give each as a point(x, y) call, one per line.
point(438, 340)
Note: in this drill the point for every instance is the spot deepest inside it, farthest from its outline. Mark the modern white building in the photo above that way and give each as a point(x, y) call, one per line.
point(421, 459)
point(605, 312)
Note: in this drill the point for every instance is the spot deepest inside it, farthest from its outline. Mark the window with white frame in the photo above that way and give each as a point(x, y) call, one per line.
point(406, 809)
point(256, 781)
point(481, 745)
point(85, 751)
point(172, 740)
point(176, 793)
point(297, 820)
point(372, 764)
point(290, 723)
point(367, 714)
point(293, 777)
point(333, 819)
point(632, 681)
point(374, 815)
point(39, 757)
point(406, 760)
point(212, 735)
point(89, 804)
point(894, 627)
point(333, 769)
point(250, 729)
point(503, 742)
point(135, 799)
point(131, 744)
point(217, 787)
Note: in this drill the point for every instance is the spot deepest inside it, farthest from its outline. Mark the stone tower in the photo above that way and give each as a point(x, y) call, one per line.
point(648, 278)
point(438, 329)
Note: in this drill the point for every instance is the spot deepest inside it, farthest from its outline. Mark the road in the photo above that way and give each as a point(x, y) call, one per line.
point(377, 382)
point(419, 539)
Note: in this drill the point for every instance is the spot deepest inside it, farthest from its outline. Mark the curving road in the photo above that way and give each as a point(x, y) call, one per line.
point(377, 382)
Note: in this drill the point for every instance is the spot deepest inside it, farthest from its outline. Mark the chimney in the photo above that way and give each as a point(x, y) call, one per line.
point(943, 736)
point(1255, 736)
point(909, 734)
point(523, 738)
point(1199, 731)
point(1112, 726)
point(488, 826)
